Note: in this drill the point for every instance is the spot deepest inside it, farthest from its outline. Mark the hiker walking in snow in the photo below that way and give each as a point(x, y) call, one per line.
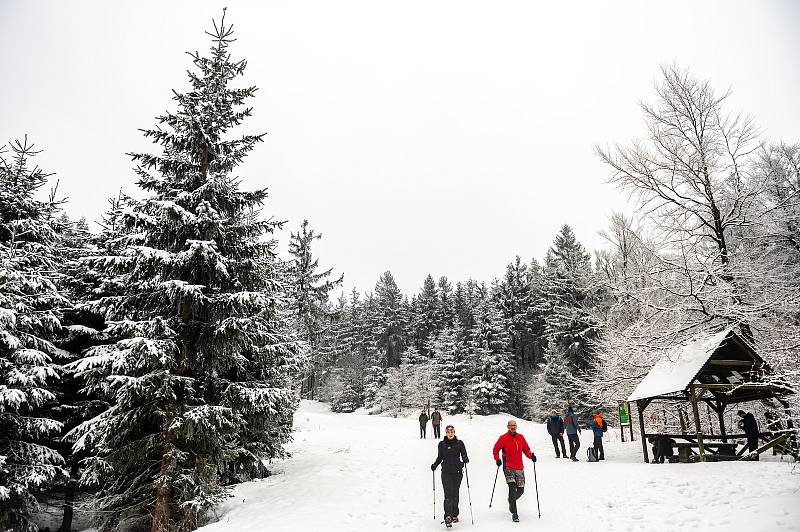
point(572, 428)
point(750, 426)
point(453, 456)
point(513, 446)
point(598, 426)
point(436, 423)
point(423, 424)
point(555, 427)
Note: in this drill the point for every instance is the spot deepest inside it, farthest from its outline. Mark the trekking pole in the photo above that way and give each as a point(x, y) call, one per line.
point(471, 517)
point(536, 483)
point(433, 481)
point(495, 485)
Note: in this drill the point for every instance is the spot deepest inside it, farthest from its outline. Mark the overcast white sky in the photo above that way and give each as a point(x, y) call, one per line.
point(440, 137)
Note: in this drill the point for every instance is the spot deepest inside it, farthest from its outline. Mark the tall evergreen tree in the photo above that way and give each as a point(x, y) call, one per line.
point(310, 297)
point(30, 317)
point(388, 324)
point(201, 370)
point(453, 370)
point(426, 314)
point(492, 385)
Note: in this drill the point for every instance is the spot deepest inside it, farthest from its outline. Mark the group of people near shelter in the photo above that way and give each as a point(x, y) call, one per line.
point(556, 426)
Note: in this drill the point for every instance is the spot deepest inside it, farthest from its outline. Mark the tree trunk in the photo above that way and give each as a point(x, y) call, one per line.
point(69, 496)
point(161, 512)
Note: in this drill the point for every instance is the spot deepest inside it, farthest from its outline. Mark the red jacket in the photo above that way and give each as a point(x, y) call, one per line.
point(513, 448)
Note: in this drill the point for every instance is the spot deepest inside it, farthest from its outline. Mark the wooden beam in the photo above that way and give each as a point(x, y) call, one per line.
point(732, 362)
point(641, 404)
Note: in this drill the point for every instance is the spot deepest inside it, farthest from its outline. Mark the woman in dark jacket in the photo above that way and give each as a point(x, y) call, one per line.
point(451, 453)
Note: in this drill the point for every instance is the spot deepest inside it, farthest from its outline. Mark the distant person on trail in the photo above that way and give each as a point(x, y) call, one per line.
point(436, 422)
point(423, 424)
point(513, 446)
point(555, 427)
point(750, 426)
point(572, 428)
point(598, 426)
point(451, 453)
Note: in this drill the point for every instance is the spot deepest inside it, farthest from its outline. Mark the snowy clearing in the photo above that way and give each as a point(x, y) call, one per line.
point(353, 472)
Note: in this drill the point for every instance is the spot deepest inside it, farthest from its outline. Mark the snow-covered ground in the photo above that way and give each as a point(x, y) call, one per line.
point(362, 473)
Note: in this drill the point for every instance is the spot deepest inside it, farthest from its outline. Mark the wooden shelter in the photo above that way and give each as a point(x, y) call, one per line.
point(719, 370)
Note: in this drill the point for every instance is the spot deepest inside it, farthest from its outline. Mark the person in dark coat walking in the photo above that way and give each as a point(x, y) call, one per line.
point(572, 429)
point(423, 424)
point(750, 426)
point(453, 456)
point(598, 426)
point(555, 427)
point(436, 422)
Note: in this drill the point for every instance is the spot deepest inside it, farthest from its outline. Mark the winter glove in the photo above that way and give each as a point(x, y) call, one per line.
point(533, 458)
point(466, 461)
point(498, 462)
point(433, 467)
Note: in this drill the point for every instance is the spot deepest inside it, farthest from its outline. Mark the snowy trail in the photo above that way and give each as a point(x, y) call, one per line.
point(352, 472)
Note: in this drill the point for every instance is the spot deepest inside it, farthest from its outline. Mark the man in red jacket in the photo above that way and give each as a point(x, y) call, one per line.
point(513, 446)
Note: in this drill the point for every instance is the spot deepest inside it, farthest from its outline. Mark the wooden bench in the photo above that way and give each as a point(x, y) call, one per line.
point(716, 450)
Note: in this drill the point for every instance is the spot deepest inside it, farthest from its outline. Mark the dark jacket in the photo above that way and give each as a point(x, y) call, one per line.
point(664, 446)
point(750, 425)
point(555, 425)
point(450, 454)
point(571, 422)
point(423, 419)
point(436, 418)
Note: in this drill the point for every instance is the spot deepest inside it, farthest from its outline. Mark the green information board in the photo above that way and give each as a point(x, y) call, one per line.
point(624, 414)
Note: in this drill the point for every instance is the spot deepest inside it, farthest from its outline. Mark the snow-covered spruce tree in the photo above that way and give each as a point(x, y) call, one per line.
point(452, 370)
point(426, 313)
point(489, 346)
point(310, 298)
point(386, 316)
point(200, 374)
point(30, 317)
point(569, 325)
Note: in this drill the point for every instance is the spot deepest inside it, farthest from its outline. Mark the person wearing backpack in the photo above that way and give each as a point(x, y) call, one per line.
point(598, 426)
point(436, 422)
point(572, 429)
point(555, 427)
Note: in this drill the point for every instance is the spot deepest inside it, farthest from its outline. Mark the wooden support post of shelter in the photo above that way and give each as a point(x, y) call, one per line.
point(640, 406)
point(694, 397)
point(719, 369)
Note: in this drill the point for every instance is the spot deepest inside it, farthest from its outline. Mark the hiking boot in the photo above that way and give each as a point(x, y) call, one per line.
point(448, 520)
point(515, 518)
point(574, 459)
point(455, 519)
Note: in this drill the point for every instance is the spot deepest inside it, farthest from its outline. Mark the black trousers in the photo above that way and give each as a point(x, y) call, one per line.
point(514, 493)
point(451, 482)
point(574, 445)
point(598, 447)
point(422, 430)
point(558, 438)
point(752, 443)
point(437, 431)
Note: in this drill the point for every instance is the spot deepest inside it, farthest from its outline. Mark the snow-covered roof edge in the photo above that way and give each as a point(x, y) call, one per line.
point(676, 370)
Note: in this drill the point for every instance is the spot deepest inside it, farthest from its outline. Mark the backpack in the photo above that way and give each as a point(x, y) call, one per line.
point(591, 454)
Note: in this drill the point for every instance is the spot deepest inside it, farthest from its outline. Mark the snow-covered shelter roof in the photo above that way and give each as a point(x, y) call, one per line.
point(680, 366)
